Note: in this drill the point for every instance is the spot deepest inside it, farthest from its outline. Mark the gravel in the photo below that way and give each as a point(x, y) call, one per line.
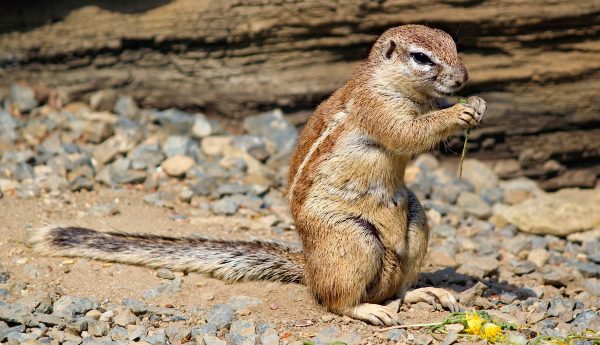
point(189, 164)
point(104, 210)
point(242, 302)
point(206, 329)
point(177, 334)
point(14, 313)
point(202, 127)
point(125, 106)
point(221, 316)
point(23, 97)
point(177, 145)
point(225, 206)
point(177, 165)
point(274, 128)
point(146, 156)
point(473, 205)
point(165, 273)
point(70, 307)
point(166, 288)
point(124, 317)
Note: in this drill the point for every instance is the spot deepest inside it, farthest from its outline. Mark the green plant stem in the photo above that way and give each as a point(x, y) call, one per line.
point(455, 317)
point(415, 325)
point(464, 153)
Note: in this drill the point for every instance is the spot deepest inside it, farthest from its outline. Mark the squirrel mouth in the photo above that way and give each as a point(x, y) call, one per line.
point(443, 90)
point(441, 93)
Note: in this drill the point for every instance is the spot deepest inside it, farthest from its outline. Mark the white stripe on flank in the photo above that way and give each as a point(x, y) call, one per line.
point(335, 121)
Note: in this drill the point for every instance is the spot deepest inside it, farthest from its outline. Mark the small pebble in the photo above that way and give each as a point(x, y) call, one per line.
point(303, 323)
point(165, 274)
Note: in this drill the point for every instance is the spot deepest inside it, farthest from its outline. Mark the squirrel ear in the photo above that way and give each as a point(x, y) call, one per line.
point(390, 50)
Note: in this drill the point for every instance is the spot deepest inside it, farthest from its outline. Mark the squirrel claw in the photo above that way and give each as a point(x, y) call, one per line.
point(438, 298)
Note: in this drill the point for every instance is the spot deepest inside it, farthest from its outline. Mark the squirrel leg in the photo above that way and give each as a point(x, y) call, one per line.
point(345, 269)
point(419, 233)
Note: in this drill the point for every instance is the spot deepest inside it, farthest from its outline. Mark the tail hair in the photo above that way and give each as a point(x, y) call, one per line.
point(227, 260)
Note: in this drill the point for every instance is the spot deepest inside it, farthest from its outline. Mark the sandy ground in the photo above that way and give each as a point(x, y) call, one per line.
point(283, 304)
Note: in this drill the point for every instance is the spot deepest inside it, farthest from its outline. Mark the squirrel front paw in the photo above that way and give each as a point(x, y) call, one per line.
point(478, 104)
point(471, 113)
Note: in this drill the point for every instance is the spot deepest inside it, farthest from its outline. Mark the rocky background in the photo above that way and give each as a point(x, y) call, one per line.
point(536, 63)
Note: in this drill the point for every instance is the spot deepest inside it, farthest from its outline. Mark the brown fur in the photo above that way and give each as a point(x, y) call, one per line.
point(364, 233)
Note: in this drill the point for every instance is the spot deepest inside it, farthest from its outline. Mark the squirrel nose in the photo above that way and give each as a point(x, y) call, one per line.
point(460, 83)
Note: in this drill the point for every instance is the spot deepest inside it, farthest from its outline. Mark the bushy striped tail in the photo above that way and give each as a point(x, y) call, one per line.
point(227, 260)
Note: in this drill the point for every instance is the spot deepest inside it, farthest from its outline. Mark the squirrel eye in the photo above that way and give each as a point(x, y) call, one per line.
point(421, 58)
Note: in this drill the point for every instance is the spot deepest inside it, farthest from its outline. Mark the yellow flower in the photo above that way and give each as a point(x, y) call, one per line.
point(474, 323)
point(491, 332)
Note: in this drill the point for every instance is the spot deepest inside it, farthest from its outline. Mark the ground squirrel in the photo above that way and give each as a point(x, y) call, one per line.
point(364, 233)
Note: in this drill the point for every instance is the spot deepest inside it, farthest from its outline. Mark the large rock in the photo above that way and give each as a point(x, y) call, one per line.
point(560, 213)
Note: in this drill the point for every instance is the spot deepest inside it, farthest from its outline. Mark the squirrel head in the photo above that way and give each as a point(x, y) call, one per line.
point(416, 61)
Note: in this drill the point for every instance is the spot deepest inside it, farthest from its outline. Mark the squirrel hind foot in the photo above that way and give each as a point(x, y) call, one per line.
point(373, 313)
point(438, 298)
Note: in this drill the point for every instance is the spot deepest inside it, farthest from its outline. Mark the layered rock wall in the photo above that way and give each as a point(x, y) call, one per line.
point(537, 63)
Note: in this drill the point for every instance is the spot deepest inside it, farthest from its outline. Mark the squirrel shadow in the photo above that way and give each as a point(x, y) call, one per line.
point(448, 278)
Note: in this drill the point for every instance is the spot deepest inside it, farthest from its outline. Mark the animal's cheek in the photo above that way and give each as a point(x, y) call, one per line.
point(445, 71)
point(445, 77)
point(429, 75)
point(434, 75)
